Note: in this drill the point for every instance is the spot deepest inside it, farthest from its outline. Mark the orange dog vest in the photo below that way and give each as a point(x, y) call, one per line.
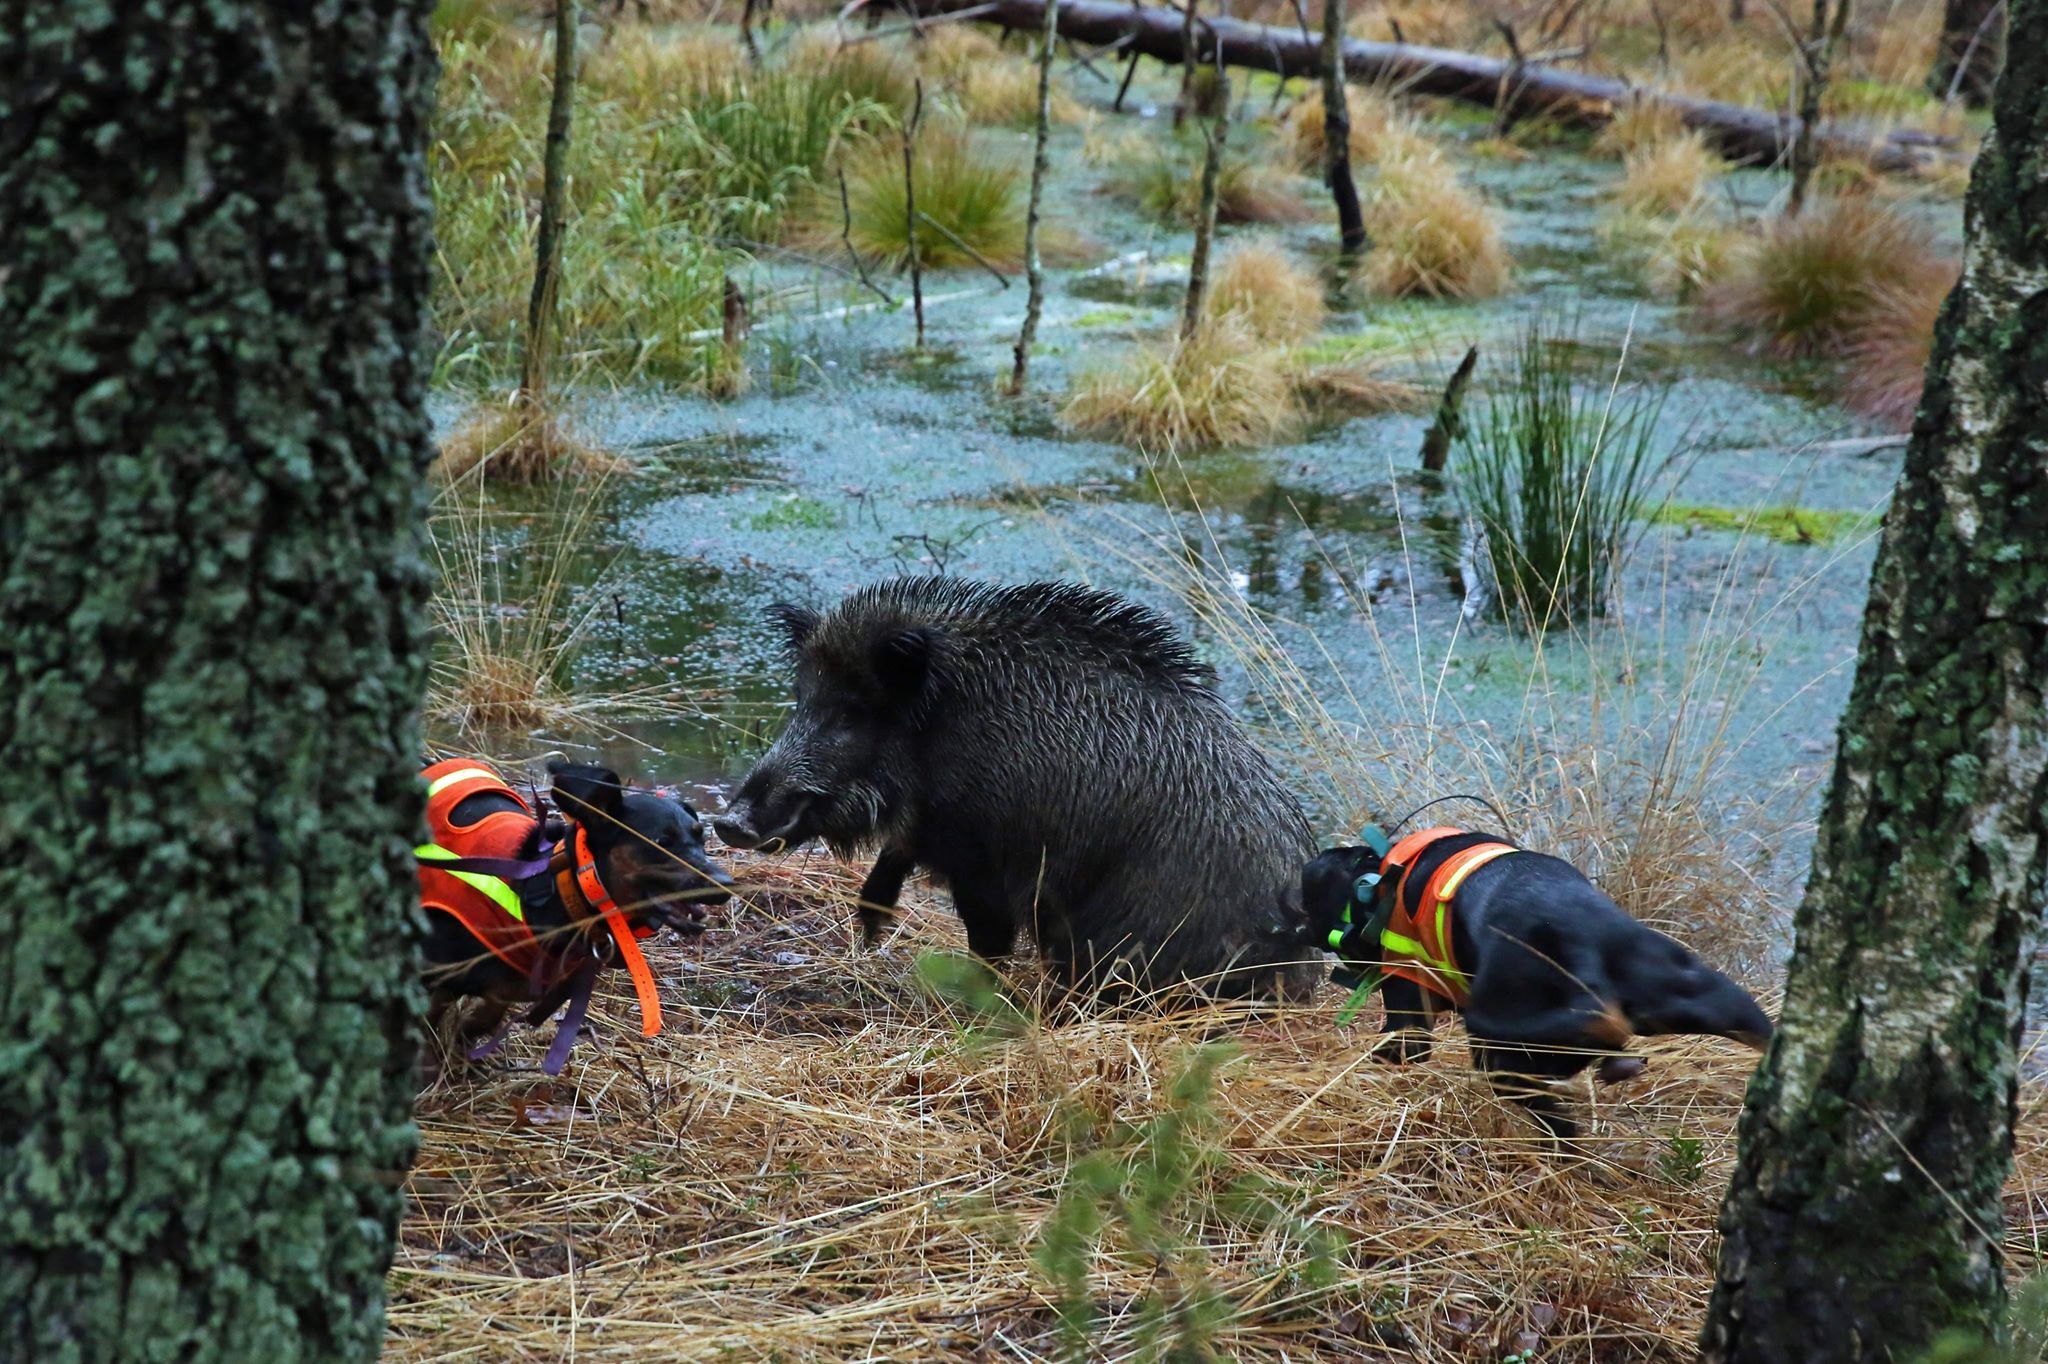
point(486, 905)
point(1417, 942)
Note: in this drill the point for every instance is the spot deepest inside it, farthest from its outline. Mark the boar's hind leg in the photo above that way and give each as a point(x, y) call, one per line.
point(878, 894)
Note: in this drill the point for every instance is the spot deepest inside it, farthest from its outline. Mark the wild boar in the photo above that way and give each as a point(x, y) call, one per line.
point(1057, 757)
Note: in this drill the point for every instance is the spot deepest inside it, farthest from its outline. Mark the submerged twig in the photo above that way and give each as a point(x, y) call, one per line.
point(954, 237)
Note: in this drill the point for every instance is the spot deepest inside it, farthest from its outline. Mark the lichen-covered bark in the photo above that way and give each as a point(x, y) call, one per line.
point(1864, 1216)
point(213, 267)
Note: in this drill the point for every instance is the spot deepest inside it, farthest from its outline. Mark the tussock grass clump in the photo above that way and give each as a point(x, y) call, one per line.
point(1105, 143)
point(1219, 388)
point(976, 193)
point(858, 73)
point(1668, 177)
point(1432, 236)
point(1637, 126)
point(1431, 23)
point(1374, 118)
point(1555, 473)
point(1887, 362)
point(1167, 183)
point(1812, 285)
point(520, 442)
point(1272, 294)
point(987, 83)
point(1675, 257)
point(676, 145)
point(514, 605)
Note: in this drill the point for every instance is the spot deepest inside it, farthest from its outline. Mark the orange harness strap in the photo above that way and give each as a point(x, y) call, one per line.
point(579, 882)
point(1418, 942)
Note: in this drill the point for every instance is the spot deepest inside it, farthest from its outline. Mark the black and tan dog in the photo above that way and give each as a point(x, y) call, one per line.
point(527, 910)
point(1550, 974)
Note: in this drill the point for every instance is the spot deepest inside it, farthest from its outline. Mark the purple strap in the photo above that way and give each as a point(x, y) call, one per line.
point(493, 1042)
point(572, 1022)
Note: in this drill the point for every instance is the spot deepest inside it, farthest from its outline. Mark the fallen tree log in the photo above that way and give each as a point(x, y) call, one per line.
point(1576, 98)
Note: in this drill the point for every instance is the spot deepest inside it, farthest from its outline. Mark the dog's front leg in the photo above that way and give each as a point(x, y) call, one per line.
point(1523, 1078)
point(1408, 1035)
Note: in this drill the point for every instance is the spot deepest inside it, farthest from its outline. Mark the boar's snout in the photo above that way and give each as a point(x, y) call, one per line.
point(764, 818)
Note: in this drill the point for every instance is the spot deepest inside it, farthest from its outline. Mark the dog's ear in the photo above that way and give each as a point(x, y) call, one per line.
point(592, 796)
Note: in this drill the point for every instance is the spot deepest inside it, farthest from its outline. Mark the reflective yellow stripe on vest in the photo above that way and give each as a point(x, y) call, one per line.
point(493, 886)
point(1408, 947)
point(448, 779)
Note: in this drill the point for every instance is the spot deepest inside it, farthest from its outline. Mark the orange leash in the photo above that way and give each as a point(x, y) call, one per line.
point(622, 933)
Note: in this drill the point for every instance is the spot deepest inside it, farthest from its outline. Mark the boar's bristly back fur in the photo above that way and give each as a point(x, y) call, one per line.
point(1059, 758)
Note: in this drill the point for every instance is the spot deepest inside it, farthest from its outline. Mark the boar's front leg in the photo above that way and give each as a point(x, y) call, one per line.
point(986, 915)
point(879, 892)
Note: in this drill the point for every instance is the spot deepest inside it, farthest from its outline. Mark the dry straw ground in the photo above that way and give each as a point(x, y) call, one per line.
point(819, 1162)
point(822, 1159)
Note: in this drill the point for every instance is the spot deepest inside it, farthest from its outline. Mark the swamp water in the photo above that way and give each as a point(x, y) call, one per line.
point(855, 458)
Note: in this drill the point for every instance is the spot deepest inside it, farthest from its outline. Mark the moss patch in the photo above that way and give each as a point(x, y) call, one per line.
point(1786, 525)
point(795, 512)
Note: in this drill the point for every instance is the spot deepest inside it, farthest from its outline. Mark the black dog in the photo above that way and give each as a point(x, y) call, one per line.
point(547, 903)
point(1550, 974)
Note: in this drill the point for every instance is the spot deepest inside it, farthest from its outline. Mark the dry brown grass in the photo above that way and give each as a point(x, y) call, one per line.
point(1432, 236)
point(519, 442)
point(1223, 387)
point(1432, 23)
point(1676, 257)
point(514, 603)
point(1811, 285)
point(815, 1164)
point(990, 85)
point(1373, 116)
point(1886, 367)
point(1668, 177)
point(1639, 124)
point(1352, 388)
point(1276, 297)
point(1167, 182)
point(820, 1160)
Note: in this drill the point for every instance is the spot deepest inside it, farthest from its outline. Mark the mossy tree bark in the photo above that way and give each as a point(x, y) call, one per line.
point(1972, 46)
point(1864, 1217)
point(214, 227)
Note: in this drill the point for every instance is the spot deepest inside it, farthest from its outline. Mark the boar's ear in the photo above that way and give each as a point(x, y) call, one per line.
point(592, 796)
point(797, 622)
point(903, 661)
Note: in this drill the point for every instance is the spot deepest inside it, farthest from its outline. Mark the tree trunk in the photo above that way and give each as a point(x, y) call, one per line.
point(540, 307)
point(1575, 99)
point(1865, 1216)
point(1972, 46)
point(1817, 61)
point(1205, 214)
point(1337, 133)
point(1033, 269)
point(213, 271)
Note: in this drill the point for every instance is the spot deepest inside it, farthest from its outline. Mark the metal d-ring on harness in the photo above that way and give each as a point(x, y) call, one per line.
point(1365, 934)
